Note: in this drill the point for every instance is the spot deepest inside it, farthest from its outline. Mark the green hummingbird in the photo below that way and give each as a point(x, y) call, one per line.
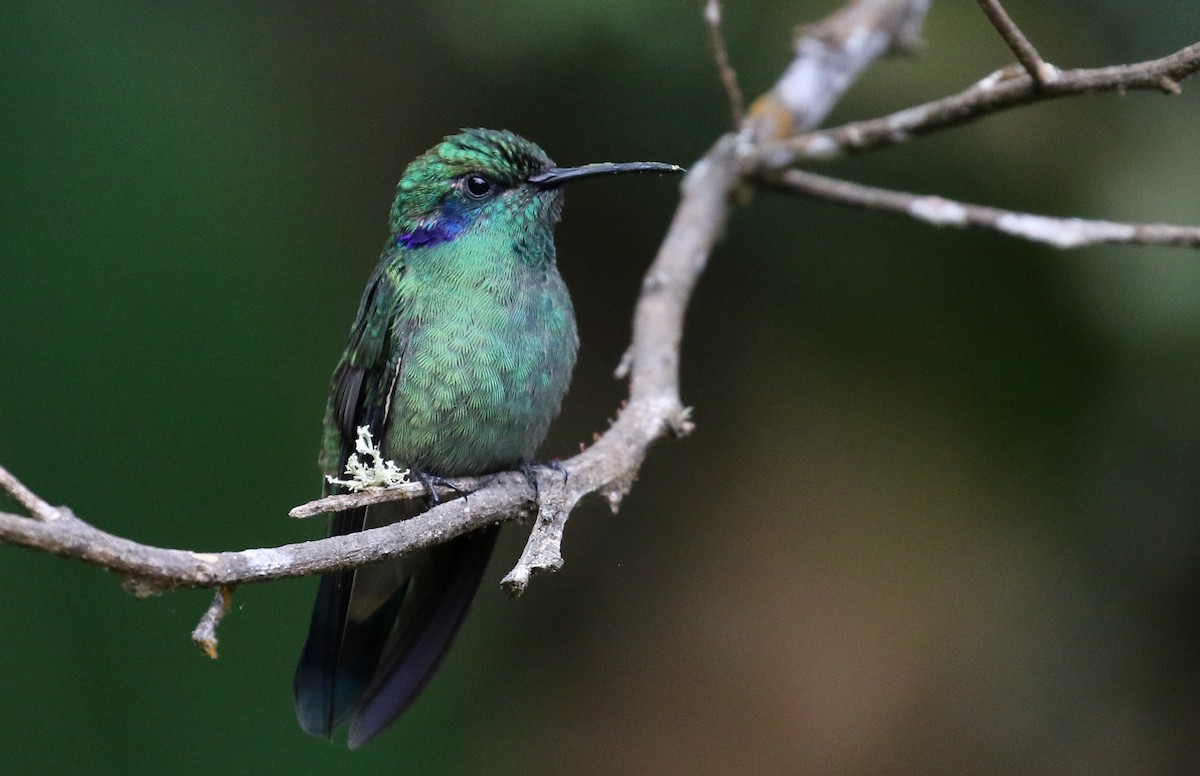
point(458, 360)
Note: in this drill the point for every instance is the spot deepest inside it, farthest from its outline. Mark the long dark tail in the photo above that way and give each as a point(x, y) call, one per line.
point(378, 633)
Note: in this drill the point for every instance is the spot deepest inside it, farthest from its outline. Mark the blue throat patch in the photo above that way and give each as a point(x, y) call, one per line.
point(443, 230)
point(424, 236)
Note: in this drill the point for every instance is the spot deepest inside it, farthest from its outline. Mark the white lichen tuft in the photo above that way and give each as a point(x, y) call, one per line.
point(371, 470)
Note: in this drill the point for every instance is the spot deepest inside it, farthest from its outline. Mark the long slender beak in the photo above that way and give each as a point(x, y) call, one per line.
point(556, 176)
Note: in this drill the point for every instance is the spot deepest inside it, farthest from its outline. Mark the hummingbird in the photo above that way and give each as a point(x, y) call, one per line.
point(457, 362)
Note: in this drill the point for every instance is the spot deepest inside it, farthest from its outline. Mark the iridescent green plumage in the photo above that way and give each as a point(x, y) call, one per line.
point(458, 361)
point(474, 328)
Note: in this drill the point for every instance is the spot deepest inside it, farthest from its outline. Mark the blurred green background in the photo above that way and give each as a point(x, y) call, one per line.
point(939, 516)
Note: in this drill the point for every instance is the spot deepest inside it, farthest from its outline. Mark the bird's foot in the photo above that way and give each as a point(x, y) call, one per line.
point(431, 483)
point(528, 468)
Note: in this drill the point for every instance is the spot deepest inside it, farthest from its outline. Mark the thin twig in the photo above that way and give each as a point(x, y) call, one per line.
point(365, 498)
point(543, 550)
point(1001, 90)
point(36, 507)
point(1059, 232)
point(1038, 69)
point(205, 633)
point(733, 92)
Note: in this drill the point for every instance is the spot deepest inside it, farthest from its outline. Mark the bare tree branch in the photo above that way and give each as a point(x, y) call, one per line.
point(733, 92)
point(1041, 72)
point(148, 570)
point(1059, 232)
point(1001, 90)
point(829, 56)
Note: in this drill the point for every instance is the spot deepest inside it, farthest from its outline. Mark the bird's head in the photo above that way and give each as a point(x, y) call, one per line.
point(484, 177)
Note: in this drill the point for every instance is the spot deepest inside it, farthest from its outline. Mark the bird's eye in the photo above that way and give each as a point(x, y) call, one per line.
point(477, 186)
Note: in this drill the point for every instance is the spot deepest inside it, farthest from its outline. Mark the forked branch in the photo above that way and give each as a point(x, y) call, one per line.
point(1003, 90)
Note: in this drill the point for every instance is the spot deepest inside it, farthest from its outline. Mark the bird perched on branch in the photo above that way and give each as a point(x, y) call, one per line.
point(457, 362)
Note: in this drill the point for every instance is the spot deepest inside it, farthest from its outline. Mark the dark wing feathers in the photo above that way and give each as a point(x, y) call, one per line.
point(337, 660)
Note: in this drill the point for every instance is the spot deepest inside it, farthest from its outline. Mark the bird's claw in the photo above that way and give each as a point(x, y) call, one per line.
point(528, 468)
point(432, 481)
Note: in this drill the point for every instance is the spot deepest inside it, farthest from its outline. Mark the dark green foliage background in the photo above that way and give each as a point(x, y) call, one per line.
point(940, 514)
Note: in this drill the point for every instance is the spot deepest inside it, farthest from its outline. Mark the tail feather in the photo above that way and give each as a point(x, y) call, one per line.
point(436, 604)
point(339, 656)
point(378, 633)
point(354, 613)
